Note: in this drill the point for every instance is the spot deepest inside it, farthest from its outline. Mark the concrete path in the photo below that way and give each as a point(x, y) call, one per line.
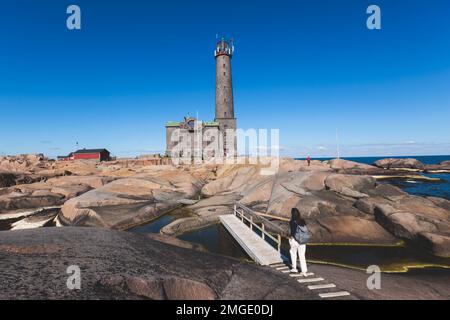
point(319, 285)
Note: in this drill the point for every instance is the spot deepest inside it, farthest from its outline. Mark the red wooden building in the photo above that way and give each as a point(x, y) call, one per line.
point(88, 154)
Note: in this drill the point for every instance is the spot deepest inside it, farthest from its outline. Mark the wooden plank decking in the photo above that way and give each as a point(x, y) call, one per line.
point(256, 247)
point(264, 254)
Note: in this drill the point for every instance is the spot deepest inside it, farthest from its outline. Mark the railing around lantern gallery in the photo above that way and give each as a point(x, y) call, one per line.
point(247, 215)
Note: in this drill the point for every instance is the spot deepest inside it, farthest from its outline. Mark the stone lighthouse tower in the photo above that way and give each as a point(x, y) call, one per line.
point(224, 96)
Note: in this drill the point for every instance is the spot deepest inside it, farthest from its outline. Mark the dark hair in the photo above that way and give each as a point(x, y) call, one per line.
point(301, 222)
point(297, 218)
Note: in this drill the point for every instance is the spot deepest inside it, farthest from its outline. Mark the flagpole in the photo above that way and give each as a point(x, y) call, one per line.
point(337, 145)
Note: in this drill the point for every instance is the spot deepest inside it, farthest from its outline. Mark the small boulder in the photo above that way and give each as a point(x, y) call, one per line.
point(411, 218)
point(436, 243)
point(349, 229)
point(395, 163)
point(341, 164)
point(354, 186)
point(177, 288)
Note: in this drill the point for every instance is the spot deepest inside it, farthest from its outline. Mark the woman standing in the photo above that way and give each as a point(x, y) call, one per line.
point(298, 238)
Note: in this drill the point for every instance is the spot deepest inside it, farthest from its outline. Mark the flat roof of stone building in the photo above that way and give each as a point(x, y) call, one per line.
point(205, 123)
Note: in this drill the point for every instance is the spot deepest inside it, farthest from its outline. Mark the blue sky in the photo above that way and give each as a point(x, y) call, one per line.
point(307, 67)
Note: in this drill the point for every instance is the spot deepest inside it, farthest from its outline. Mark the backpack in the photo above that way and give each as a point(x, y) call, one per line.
point(302, 235)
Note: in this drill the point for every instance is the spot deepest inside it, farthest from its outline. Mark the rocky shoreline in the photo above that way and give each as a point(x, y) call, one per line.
point(122, 265)
point(414, 165)
point(342, 201)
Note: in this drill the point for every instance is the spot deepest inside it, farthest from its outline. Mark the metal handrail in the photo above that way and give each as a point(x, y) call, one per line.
point(260, 217)
point(241, 214)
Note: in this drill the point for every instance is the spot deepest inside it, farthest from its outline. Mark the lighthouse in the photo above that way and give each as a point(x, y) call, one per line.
point(224, 96)
point(209, 139)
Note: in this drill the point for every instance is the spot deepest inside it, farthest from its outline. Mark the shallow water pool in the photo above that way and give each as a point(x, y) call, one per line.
point(217, 239)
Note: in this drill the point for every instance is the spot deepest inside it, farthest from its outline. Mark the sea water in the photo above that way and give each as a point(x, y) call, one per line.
point(421, 188)
point(216, 239)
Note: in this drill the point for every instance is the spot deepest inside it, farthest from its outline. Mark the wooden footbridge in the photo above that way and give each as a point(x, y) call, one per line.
point(249, 229)
point(242, 226)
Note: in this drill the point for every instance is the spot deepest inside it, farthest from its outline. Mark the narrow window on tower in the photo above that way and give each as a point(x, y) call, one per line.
point(224, 65)
point(225, 114)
